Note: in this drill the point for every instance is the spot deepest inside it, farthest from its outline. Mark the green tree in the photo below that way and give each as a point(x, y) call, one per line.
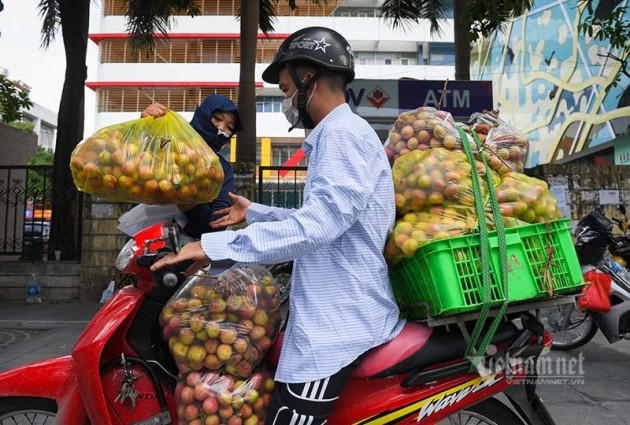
point(38, 181)
point(472, 19)
point(42, 157)
point(12, 101)
point(29, 127)
point(608, 21)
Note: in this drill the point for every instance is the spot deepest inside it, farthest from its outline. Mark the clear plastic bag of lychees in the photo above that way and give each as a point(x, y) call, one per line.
point(227, 322)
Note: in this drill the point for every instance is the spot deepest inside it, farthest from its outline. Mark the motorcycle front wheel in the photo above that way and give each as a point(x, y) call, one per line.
point(570, 328)
point(27, 411)
point(488, 412)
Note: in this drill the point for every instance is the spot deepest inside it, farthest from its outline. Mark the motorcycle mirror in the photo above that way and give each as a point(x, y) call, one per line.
point(622, 209)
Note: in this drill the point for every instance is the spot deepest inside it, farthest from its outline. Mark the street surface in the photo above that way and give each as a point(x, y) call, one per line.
point(591, 389)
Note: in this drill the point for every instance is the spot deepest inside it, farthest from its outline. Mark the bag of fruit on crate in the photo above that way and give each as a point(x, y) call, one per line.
point(523, 200)
point(423, 179)
point(505, 147)
point(208, 397)
point(415, 229)
point(223, 322)
point(422, 129)
point(149, 160)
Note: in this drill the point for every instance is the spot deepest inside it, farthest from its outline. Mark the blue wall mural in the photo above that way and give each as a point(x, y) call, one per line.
point(549, 81)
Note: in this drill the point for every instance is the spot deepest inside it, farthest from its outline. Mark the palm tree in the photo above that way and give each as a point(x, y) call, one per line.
point(472, 19)
point(246, 146)
point(73, 18)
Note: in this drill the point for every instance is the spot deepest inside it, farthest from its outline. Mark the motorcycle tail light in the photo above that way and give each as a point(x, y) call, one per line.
point(125, 255)
point(547, 340)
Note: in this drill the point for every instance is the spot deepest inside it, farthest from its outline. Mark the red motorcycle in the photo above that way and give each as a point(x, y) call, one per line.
point(121, 372)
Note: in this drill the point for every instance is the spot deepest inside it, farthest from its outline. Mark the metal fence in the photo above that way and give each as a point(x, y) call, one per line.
point(26, 194)
point(281, 186)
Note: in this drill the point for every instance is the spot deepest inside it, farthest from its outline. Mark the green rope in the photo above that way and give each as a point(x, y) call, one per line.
point(484, 249)
point(503, 269)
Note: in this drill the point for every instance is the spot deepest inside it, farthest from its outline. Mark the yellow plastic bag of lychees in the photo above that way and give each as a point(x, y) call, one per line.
point(435, 177)
point(416, 229)
point(148, 160)
point(523, 199)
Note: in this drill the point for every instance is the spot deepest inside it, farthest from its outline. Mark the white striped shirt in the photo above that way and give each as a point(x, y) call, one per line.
point(341, 300)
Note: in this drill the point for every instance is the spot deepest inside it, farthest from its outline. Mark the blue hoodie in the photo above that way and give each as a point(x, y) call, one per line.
point(200, 216)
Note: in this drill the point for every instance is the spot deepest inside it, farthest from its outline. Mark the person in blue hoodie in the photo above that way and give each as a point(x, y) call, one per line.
point(216, 120)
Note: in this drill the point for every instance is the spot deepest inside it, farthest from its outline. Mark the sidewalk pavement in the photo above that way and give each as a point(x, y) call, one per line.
point(31, 332)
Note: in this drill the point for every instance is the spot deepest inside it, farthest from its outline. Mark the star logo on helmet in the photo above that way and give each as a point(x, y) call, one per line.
point(321, 44)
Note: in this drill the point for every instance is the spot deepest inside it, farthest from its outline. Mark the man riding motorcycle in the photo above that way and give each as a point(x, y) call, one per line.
point(341, 299)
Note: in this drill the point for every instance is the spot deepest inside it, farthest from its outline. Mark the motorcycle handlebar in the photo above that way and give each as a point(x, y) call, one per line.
point(171, 275)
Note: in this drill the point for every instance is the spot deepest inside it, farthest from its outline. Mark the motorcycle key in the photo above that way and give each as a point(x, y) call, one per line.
point(127, 389)
point(123, 393)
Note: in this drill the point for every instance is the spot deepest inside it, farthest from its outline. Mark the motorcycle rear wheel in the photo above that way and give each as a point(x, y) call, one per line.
point(488, 412)
point(27, 411)
point(578, 331)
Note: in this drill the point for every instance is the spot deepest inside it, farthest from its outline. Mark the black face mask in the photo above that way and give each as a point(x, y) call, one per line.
point(221, 139)
point(302, 97)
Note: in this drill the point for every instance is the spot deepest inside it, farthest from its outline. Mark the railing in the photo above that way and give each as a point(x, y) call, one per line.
point(281, 186)
point(26, 194)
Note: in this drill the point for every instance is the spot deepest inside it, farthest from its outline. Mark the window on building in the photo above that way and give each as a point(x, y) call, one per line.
point(356, 12)
point(442, 54)
point(439, 54)
point(448, 9)
point(386, 58)
point(269, 103)
point(180, 99)
point(47, 136)
point(186, 51)
point(281, 153)
point(230, 8)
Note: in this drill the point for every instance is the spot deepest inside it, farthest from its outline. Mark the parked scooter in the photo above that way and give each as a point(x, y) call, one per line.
point(620, 249)
point(419, 377)
point(572, 328)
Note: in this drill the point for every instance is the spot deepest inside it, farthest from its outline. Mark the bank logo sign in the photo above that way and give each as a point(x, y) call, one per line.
point(378, 97)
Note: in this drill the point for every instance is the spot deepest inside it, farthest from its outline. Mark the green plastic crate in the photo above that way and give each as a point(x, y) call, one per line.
point(444, 277)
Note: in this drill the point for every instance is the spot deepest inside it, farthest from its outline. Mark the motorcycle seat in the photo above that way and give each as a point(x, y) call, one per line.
point(418, 346)
point(410, 339)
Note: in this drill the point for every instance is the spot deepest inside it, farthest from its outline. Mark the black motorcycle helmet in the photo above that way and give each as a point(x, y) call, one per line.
point(322, 47)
